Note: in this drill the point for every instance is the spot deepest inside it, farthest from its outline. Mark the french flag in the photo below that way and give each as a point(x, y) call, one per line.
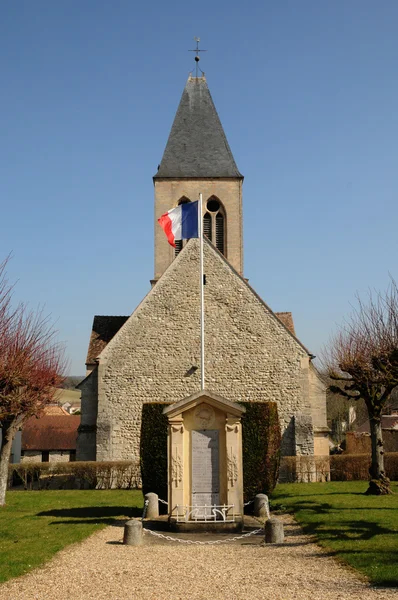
point(180, 223)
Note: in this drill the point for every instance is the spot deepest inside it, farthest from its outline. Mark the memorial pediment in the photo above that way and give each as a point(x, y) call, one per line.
point(204, 397)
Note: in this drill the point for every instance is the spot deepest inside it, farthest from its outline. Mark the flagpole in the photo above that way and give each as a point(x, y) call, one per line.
point(202, 298)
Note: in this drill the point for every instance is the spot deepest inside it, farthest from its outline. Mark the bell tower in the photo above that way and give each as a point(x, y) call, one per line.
point(197, 159)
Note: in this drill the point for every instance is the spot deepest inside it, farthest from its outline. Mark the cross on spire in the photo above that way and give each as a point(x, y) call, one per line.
point(197, 50)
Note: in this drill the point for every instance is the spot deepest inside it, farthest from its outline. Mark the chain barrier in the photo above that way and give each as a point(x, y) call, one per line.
point(163, 501)
point(200, 543)
point(247, 503)
point(145, 509)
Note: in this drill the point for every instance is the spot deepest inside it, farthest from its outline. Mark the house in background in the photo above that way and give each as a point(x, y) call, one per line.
point(66, 403)
point(50, 438)
point(358, 442)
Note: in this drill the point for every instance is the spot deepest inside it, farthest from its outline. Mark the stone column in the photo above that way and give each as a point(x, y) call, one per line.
point(176, 465)
point(133, 533)
point(261, 506)
point(152, 509)
point(274, 533)
point(233, 438)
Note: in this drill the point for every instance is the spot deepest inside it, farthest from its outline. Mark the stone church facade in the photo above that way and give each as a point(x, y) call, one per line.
point(153, 355)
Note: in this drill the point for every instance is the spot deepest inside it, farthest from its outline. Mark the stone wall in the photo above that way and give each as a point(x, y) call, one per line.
point(31, 456)
point(228, 191)
point(54, 456)
point(86, 437)
point(250, 355)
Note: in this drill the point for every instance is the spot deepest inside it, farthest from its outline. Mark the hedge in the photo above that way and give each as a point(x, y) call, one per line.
point(261, 443)
point(353, 467)
point(81, 475)
point(337, 467)
point(261, 439)
point(153, 449)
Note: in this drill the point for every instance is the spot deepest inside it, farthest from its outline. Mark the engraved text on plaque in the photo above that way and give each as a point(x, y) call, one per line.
point(205, 467)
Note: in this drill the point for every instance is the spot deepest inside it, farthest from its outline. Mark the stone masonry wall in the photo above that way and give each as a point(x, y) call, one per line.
point(86, 437)
point(228, 191)
point(317, 391)
point(54, 456)
point(249, 354)
point(31, 456)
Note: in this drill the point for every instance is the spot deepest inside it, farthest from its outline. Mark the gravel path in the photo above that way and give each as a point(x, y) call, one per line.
point(102, 568)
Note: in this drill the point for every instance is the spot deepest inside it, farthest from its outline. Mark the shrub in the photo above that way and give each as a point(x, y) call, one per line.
point(355, 467)
point(261, 442)
point(100, 475)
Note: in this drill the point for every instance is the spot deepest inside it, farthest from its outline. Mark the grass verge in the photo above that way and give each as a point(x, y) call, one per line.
point(36, 525)
point(360, 530)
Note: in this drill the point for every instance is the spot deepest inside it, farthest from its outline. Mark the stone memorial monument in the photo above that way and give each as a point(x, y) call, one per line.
point(205, 475)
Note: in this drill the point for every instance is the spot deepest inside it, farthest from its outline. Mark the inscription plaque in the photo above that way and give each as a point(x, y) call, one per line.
point(205, 467)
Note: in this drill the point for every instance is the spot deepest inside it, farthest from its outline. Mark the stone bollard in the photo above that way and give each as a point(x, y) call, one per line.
point(261, 506)
point(152, 510)
point(274, 533)
point(133, 533)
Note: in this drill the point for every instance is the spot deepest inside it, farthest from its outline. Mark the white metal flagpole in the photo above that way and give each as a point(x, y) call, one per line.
point(202, 298)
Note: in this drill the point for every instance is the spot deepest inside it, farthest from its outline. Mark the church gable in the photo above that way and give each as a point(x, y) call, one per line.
point(172, 307)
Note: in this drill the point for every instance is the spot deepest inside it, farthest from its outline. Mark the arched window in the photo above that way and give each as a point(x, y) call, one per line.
point(179, 243)
point(207, 226)
point(214, 223)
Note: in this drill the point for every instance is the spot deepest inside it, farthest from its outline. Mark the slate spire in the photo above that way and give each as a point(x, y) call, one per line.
point(197, 146)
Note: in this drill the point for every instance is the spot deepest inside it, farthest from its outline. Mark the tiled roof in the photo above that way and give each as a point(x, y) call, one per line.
point(104, 328)
point(197, 146)
point(287, 320)
point(54, 410)
point(387, 422)
point(50, 433)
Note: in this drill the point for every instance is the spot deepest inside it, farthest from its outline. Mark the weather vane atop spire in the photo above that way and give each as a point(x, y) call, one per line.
point(197, 57)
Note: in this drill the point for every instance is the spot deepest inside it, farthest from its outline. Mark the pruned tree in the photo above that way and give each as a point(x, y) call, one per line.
point(362, 358)
point(32, 364)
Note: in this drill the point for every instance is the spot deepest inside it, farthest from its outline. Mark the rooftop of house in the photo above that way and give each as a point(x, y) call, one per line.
point(50, 432)
point(387, 422)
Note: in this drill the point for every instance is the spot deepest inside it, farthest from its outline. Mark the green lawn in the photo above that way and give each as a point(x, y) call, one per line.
point(361, 530)
point(35, 525)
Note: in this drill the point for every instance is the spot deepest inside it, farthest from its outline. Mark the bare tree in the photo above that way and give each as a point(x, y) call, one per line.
point(363, 360)
point(31, 367)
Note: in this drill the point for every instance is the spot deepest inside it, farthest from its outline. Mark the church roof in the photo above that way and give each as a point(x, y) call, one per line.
point(104, 328)
point(197, 146)
point(287, 320)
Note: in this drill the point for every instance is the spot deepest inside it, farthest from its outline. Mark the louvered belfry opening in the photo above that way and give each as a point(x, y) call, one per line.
point(180, 243)
point(220, 232)
point(207, 230)
point(178, 247)
point(214, 223)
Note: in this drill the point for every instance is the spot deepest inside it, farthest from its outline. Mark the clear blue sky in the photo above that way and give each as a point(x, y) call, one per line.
point(307, 94)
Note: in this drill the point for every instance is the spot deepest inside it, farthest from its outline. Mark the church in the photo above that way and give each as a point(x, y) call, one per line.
point(252, 353)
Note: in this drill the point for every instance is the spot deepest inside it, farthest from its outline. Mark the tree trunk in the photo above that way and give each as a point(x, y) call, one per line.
point(379, 484)
point(8, 432)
